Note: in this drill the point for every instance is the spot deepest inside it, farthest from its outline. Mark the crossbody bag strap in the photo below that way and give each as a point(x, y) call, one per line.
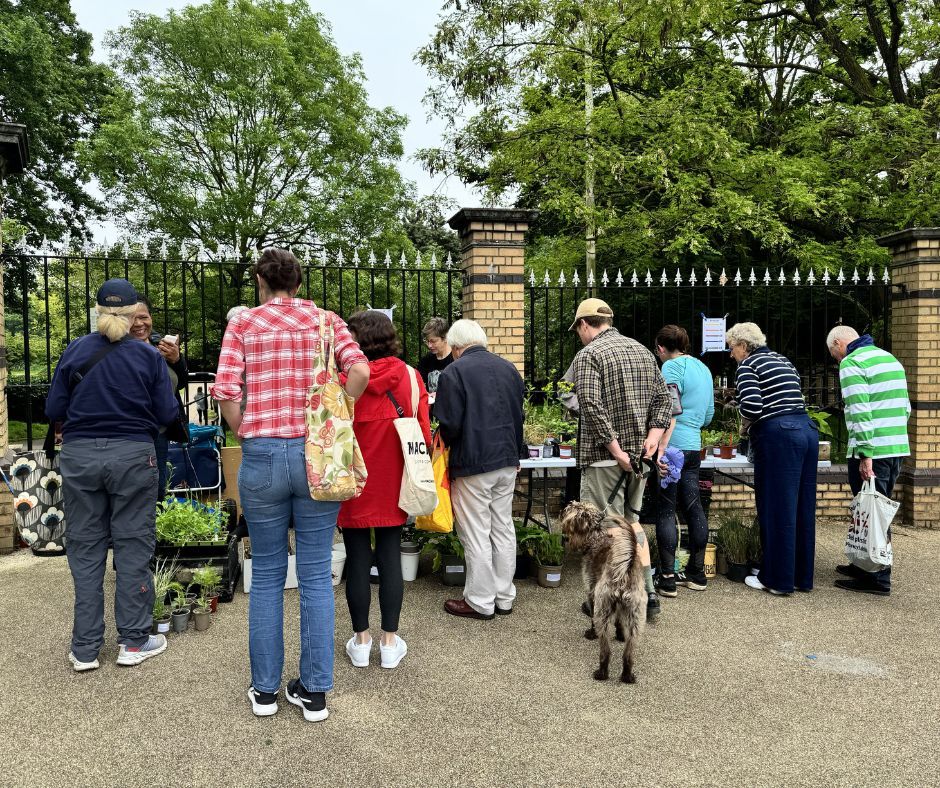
point(398, 410)
point(413, 376)
point(82, 372)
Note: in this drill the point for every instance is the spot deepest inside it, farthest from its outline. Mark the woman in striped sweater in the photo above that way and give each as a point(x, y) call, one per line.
point(786, 450)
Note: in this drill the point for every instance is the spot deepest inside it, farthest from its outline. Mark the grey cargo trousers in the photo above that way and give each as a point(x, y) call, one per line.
point(109, 488)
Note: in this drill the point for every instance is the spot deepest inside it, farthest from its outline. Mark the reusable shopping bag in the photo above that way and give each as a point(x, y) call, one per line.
point(441, 519)
point(868, 545)
point(36, 484)
point(335, 468)
point(418, 494)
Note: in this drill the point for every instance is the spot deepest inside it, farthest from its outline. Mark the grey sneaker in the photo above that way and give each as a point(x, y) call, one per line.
point(129, 655)
point(80, 666)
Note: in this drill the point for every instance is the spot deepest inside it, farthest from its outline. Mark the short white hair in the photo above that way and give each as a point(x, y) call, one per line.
point(747, 334)
point(464, 333)
point(845, 333)
point(234, 311)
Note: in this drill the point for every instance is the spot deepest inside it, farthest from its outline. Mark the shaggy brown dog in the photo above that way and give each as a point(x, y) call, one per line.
point(614, 579)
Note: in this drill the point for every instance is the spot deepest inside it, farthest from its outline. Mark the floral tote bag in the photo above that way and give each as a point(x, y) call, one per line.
point(335, 468)
point(37, 501)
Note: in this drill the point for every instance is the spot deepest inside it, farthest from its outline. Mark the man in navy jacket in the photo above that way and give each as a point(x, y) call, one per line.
point(479, 408)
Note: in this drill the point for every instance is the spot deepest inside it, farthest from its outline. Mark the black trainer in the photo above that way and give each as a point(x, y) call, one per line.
point(692, 582)
point(863, 586)
point(653, 608)
point(263, 704)
point(850, 570)
point(312, 703)
point(666, 586)
point(502, 611)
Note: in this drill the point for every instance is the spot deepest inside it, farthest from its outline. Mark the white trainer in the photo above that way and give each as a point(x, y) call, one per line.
point(128, 656)
point(751, 581)
point(392, 655)
point(359, 652)
point(80, 666)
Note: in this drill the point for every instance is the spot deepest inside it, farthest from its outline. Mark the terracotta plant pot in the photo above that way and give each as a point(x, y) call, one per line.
point(704, 452)
point(726, 452)
point(213, 603)
point(565, 451)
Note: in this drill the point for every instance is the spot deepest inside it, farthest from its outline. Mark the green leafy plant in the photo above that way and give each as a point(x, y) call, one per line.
point(440, 544)
point(528, 537)
point(544, 414)
point(549, 550)
point(208, 578)
point(738, 537)
point(821, 418)
point(712, 438)
point(179, 596)
point(182, 522)
point(163, 573)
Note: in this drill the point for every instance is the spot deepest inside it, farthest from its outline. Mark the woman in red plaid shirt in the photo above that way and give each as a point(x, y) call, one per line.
point(274, 346)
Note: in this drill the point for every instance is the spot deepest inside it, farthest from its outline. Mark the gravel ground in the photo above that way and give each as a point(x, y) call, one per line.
point(735, 688)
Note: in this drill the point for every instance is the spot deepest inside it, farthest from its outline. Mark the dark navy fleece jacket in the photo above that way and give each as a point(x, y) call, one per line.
point(126, 395)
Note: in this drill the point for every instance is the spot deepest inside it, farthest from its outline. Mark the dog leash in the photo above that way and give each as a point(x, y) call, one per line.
point(638, 470)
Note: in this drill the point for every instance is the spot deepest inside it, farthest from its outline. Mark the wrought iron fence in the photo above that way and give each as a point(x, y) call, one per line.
point(49, 301)
point(795, 310)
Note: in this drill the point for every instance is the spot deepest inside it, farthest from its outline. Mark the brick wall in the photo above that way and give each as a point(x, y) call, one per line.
point(915, 341)
point(492, 242)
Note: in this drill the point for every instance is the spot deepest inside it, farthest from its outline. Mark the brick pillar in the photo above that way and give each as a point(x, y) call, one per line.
point(492, 248)
point(915, 325)
point(14, 156)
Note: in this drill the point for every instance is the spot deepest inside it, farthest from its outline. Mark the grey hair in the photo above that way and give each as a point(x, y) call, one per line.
point(435, 327)
point(114, 322)
point(747, 334)
point(464, 333)
point(234, 311)
point(845, 333)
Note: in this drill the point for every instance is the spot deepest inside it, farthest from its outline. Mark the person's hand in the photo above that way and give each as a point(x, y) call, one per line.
point(865, 470)
point(169, 350)
point(623, 460)
point(662, 467)
point(650, 445)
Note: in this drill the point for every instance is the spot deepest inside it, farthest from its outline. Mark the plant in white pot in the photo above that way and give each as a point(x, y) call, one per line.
point(550, 554)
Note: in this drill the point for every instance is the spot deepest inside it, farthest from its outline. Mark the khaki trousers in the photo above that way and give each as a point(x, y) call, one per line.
point(597, 483)
point(483, 509)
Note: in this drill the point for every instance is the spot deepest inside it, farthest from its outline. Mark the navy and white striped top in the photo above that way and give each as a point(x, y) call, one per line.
point(768, 385)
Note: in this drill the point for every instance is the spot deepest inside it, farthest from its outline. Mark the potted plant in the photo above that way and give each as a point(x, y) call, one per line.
point(710, 439)
point(163, 572)
point(739, 539)
point(448, 555)
point(208, 578)
point(726, 447)
point(202, 615)
point(527, 537)
point(550, 553)
point(534, 436)
point(188, 522)
point(410, 553)
point(821, 420)
point(181, 611)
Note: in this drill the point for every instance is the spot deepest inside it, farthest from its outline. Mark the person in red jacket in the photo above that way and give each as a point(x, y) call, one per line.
point(377, 507)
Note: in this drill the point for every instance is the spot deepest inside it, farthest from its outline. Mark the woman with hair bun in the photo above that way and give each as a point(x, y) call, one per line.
point(112, 397)
point(274, 347)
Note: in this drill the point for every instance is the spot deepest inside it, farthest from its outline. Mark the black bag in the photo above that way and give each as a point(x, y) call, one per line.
point(178, 431)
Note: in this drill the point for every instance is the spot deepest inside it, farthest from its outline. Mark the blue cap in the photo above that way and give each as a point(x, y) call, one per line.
point(117, 292)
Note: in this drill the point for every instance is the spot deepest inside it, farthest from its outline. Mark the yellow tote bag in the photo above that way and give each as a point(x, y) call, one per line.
point(441, 519)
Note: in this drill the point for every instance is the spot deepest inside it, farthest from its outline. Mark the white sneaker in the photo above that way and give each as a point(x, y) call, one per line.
point(751, 581)
point(128, 656)
point(358, 652)
point(392, 655)
point(79, 666)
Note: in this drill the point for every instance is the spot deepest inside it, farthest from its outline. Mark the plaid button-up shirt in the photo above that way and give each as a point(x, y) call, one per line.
point(622, 395)
point(274, 346)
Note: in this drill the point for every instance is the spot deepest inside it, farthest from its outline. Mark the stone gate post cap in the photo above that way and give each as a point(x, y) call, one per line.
point(464, 216)
point(591, 307)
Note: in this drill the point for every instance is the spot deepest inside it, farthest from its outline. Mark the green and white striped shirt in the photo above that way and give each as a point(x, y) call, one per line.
point(877, 406)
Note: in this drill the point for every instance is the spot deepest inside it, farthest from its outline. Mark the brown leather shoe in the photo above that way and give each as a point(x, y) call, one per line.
point(459, 607)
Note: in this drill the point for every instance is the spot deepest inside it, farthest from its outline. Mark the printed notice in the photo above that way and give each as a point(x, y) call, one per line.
point(713, 334)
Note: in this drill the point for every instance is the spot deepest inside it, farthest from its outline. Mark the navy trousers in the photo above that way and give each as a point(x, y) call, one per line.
point(786, 451)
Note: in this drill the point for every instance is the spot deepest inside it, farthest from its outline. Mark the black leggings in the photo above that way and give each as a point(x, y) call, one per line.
point(358, 564)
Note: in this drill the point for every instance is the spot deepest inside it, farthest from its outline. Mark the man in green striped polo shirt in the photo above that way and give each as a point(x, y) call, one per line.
point(877, 408)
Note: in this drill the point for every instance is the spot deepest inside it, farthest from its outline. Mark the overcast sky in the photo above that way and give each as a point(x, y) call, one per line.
point(385, 34)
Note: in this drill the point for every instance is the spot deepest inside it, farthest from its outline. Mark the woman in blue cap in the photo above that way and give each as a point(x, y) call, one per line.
point(111, 397)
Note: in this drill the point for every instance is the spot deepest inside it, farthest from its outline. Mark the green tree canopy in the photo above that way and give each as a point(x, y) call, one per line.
point(241, 124)
point(741, 130)
point(49, 82)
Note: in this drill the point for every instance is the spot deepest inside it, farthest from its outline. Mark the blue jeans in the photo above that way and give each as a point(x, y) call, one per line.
point(887, 470)
point(786, 452)
point(686, 490)
point(272, 485)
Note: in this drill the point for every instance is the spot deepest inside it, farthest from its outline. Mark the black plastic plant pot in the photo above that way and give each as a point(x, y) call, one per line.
point(737, 572)
point(453, 570)
point(523, 566)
